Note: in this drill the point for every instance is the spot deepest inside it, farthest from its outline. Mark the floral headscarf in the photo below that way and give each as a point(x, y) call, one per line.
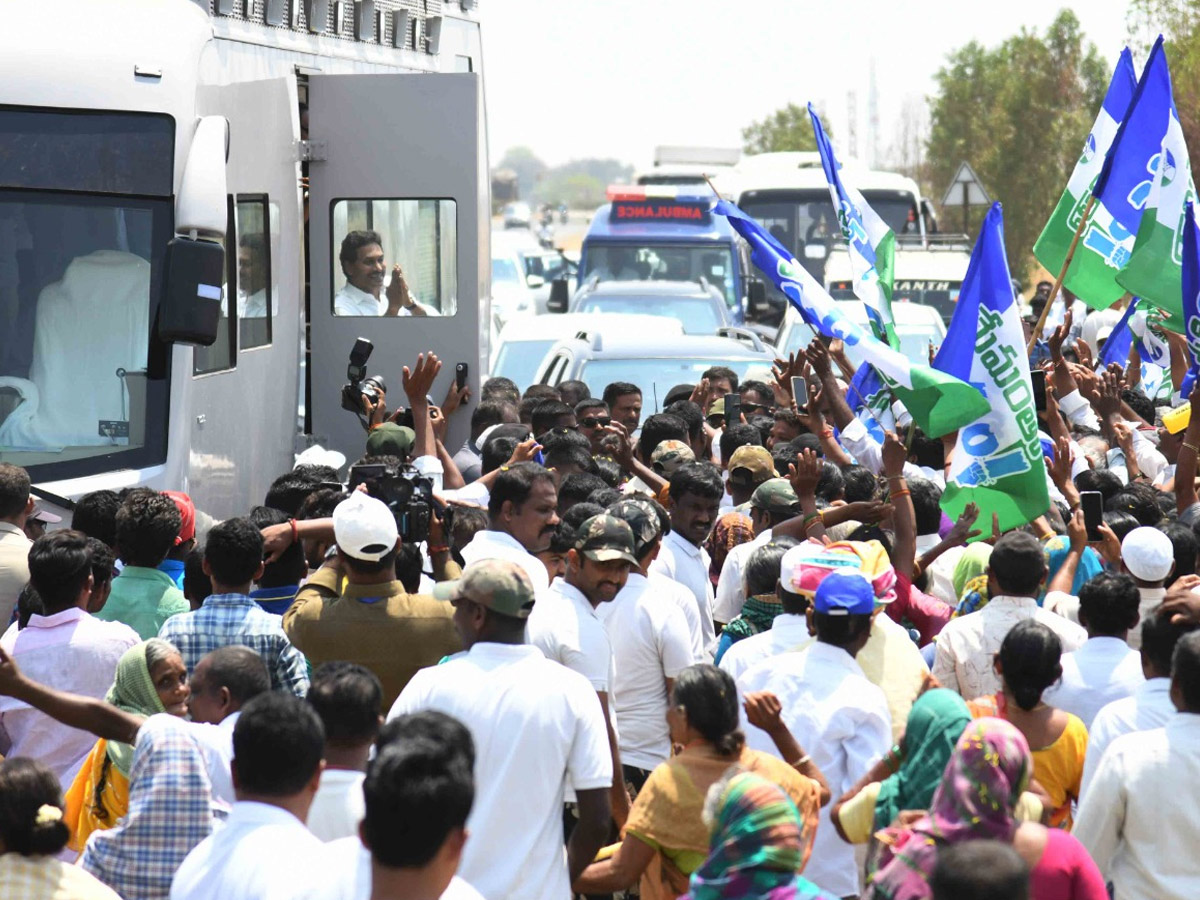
point(731, 529)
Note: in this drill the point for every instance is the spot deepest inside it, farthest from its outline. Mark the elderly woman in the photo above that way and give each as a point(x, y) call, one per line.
point(665, 837)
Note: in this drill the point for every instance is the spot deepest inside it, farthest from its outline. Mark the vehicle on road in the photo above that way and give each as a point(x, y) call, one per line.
point(653, 364)
point(517, 215)
point(919, 327)
point(697, 305)
point(689, 165)
point(539, 266)
point(928, 272)
point(512, 289)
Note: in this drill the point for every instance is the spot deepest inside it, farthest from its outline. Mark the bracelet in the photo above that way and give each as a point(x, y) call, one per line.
point(904, 492)
point(1191, 447)
point(895, 758)
point(441, 548)
point(1046, 536)
point(802, 761)
point(295, 531)
point(894, 477)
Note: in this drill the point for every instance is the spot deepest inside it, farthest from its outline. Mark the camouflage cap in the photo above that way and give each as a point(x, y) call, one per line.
point(642, 519)
point(390, 439)
point(775, 495)
point(499, 585)
point(669, 456)
point(604, 538)
point(751, 464)
point(716, 408)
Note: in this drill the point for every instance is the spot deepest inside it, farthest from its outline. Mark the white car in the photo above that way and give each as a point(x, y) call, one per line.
point(918, 326)
point(524, 341)
point(517, 215)
point(512, 289)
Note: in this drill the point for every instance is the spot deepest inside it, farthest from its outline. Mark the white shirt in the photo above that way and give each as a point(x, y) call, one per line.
point(788, 632)
point(651, 643)
point(1151, 597)
point(345, 874)
point(338, 807)
point(1139, 820)
point(967, 645)
point(683, 599)
point(490, 544)
point(838, 717)
point(216, 746)
point(868, 452)
point(69, 651)
point(1104, 669)
point(565, 627)
point(350, 301)
point(731, 586)
point(1149, 707)
point(688, 564)
point(263, 851)
point(538, 729)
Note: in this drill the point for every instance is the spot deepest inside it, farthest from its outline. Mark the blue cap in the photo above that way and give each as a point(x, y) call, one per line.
point(844, 594)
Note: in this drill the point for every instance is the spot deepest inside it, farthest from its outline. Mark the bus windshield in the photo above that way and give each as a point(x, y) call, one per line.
point(629, 261)
point(80, 264)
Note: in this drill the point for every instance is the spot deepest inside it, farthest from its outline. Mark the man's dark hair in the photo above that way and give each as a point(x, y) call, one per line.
point(1184, 548)
point(542, 392)
point(103, 561)
point(320, 504)
point(563, 538)
point(29, 604)
point(1140, 501)
point(692, 415)
point(700, 479)
point(317, 472)
point(790, 418)
point(278, 745)
point(1120, 522)
point(408, 564)
point(1103, 480)
point(59, 565)
point(1159, 637)
point(840, 631)
point(430, 725)
point(348, 698)
point(557, 438)
point(516, 485)
point(233, 551)
point(758, 387)
point(713, 373)
point(500, 388)
point(604, 496)
point(1185, 670)
point(926, 501)
point(14, 490)
point(589, 403)
point(736, 436)
point(545, 414)
point(580, 513)
point(1018, 564)
point(291, 567)
point(239, 670)
point(928, 452)
point(489, 413)
point(1108, 604)
point(355, 241)
point(762, 568)
point(197, 586)
point(609, 470)
point(979, 870)
point(95, 514)
point(466, 523)
point(764, 423)
point(574, 391)
point(147, 524)
point(831, 484)
point(1031, 655)
point(563, 456)
point(861, 483)
point(677, 393)
point(619, 389)
point(1137, 400)
point(496, 452)
point(658, 428)
point(782, 457)
point(289, 491)
point(577, 487)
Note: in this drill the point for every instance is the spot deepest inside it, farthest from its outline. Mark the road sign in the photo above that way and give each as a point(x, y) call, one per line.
point(966, 188)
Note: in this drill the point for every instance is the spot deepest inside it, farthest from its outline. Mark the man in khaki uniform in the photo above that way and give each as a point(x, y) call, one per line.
point(16, 505)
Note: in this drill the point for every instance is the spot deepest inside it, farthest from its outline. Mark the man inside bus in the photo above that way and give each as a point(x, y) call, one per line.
point(618, 266)
point(364, 294)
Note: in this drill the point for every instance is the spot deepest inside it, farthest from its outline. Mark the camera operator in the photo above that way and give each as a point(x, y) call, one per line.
point(355, 609)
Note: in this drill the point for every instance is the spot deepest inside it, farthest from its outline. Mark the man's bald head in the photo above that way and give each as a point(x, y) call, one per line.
point(224, 680)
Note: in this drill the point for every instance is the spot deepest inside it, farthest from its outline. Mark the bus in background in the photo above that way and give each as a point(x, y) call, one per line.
point(689, 165)
point(666, 233)
point(178, 182)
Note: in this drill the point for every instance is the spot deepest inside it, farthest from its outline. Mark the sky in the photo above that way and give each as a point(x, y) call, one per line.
point(615, 78)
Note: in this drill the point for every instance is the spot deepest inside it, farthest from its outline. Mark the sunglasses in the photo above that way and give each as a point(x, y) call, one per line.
point(594, 421)
point(754, 405)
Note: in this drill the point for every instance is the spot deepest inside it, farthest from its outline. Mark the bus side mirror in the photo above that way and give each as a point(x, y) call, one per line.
point(756, 294)
point(559, 296)
point(190, 310)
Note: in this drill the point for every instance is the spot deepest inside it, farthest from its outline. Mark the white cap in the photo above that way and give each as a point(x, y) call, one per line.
point(1148, 554)
point(1103, 333)
point(364, 527)
point(316, 455)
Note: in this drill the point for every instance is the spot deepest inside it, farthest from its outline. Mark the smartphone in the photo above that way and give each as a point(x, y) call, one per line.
point(733, 409)
point(460, 375)
point(1038, 377)
point(1092, 503)
point(800, 391)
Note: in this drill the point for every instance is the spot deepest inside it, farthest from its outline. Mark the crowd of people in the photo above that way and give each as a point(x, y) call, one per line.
point(650, 655)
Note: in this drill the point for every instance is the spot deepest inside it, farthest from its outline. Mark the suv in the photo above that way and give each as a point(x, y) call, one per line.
point(697, 305)
point(655, 365)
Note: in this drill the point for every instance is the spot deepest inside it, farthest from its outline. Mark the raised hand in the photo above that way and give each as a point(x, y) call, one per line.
point(419, 380)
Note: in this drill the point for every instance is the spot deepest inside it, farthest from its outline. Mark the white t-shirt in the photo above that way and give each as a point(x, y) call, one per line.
point(565, 627)
point(338, 807)
point(489, 544)
point(1104, 669)
point(788, 632)
point(345, 874)
point(350, 301)
point(682, 598)
point(688, 564)
point(651, 643)
point(216, 746)
point(538, 730)
point(731, 586)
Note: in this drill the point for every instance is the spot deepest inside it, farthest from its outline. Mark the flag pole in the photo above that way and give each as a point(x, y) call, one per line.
point(1062, 273)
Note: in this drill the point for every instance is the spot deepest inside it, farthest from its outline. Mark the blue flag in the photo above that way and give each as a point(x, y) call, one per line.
point(938, 403)
point(997, 461)
point(1116, 348)
point(1191, 296)
point(871, 401)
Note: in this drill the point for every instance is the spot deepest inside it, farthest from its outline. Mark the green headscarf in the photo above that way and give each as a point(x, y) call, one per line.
point(935, 723)
point(971, 565)
point(133, 691)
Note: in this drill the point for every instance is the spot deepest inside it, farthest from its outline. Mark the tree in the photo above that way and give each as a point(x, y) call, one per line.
point(1019, 114)
point(785, 129)
point(527, 165)
point(1179, 23)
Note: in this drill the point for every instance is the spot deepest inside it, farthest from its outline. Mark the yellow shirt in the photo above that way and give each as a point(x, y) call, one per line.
point(892, 661)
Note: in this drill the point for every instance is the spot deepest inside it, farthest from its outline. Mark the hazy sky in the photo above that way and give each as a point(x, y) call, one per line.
point(576, 78)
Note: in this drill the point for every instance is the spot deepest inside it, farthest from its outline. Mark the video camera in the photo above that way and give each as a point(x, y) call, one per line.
point(407, 493)
point(359, 385)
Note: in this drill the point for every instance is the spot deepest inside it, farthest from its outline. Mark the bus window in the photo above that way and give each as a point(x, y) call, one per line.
point(221, 356)
point(371, 238)
point(258, 295)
